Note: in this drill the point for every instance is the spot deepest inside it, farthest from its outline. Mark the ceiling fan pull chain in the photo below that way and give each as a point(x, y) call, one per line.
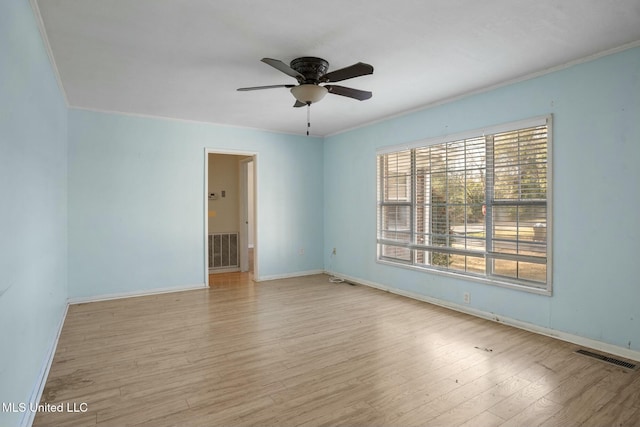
point(308, 117)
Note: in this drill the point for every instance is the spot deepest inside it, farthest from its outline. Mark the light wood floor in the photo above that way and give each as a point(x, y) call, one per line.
point(308, 352)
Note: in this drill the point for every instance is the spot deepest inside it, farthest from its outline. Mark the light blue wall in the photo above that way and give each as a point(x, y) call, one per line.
point(136, 201)
point(33, 213)
point(596, 153)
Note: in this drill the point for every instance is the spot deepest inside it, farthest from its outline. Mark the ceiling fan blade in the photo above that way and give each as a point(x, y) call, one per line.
point(299, 104)
point(281, 66)
point(244, 89)
point(358, 94)
point(355, 70)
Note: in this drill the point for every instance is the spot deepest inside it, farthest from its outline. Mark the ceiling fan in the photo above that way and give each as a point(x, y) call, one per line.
point(310, 72)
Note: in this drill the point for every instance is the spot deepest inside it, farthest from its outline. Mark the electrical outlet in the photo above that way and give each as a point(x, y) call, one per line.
point(301, 251)
point(466, 297)
point(333, 252)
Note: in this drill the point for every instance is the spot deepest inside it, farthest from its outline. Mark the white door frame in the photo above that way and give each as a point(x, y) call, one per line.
point(253, 154)
point(244, 213)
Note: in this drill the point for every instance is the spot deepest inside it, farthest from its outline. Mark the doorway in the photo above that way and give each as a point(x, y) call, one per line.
point(230, 216)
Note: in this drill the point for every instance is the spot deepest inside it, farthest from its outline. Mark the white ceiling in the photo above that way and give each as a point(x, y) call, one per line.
point(185, 59)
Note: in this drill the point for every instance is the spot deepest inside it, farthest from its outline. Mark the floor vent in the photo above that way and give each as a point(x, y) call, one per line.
point(612, 360)
point(223, 250)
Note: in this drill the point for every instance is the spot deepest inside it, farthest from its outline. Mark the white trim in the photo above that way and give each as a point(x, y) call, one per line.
point(213, 150)
point(133, 294)
point(464, 95)
point(47, 47)
point(36, 394)
point(288, 275)
point(550, 185)
point(205, 206)
point(256, 204)
point(243, 221)
point(475, 133)
point(191, 121)
point(541, 330)
point(224, 270)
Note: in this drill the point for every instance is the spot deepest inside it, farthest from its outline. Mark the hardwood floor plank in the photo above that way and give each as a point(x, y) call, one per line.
point(397, 401)
point(551, 379)
point(614, 415)
point(307, 352)
point(581, 407)
point(359, 414)
point(478, 404)
point(629, 395)
point(576, 385)
point(485, 419)
point(534, 415)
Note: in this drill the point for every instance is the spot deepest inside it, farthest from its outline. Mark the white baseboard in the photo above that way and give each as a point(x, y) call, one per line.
point(553, 333)
point(289, 275)
point(36, 394)
point(224, 270)
point(106, 297)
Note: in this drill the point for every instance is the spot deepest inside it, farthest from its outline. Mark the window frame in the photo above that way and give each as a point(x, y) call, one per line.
point(489, 276)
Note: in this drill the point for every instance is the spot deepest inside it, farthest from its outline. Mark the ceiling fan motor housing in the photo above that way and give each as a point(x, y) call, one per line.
point(311, 68)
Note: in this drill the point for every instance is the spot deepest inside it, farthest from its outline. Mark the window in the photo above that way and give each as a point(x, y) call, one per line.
point(477, 205)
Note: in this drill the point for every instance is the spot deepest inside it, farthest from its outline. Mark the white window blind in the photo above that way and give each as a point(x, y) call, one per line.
point(473, 205)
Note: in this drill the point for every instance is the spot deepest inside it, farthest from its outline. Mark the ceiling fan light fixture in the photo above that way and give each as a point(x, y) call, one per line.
point(309, 93)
